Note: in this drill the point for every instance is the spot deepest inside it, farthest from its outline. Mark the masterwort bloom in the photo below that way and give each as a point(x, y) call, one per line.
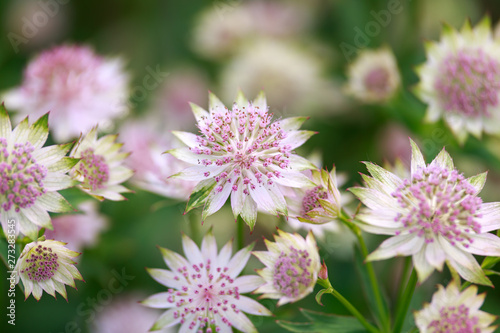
point(292, 266)
point(242, 153)
point(461, 80)
point(46, 265)
point(205, 292)
point(77, 86)
point(318, 204)
point(373, 76)
point(455, 311)
point(435, 215)
point(100, 169)
point(30, 175)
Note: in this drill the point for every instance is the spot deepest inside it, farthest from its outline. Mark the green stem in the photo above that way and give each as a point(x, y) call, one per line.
point(402, 308)
point(352, 310)
point(194, 225)
point(240, 233)
point(384, 316)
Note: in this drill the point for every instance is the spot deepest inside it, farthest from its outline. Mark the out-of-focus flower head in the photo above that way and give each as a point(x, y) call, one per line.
point(125, 315)
point(31, 175)
point(101, 169)
point(205, 292)
point(46, 265)
point(290, 76)
point(460, 81)
point(373, 76)
point(222, 28)
point(181, 88)
point(452, 310)
point(78, 87)
point(78, 230)
point(435, 215)
point(152, 168)
point(242, 153)
point(292, 267)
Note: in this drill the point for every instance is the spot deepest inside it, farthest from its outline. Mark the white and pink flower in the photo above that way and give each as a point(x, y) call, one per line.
point(242, 153)
point(435, 215)
point(205, 292)
point(78, 87)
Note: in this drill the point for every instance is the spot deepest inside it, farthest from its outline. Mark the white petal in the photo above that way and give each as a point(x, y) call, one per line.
point(490, 219)
point(239, 261)
point(296, 139)
point(209, 247)
point(191, 250)
point(240, 321)
point(225, 255)
point(173, 260)
point(249, 212)
point(237, 201)
point(166, 320)
point(417, 159)
point(401, 245)
point(216, 200)
point(422, 266)
point(166, 278)
point(248, 283)
point(158, 301)
point(435, 255)
point(483, 244)
point(189, 139)
point(444, 160)
point(292, 179)
point(250, 306)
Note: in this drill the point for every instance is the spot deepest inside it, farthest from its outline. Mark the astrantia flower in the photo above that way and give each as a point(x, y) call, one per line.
point(30, 175)
point(461, 80)
point(77, 86)
point(152, 168)
point(46, 265)
point(455, 311)
point(100, 169)
point(319, 204)
point(78, 230)
point(204, 292)
point(436, 216)
point(373, 76)
point(292, 266)
point(242, 153)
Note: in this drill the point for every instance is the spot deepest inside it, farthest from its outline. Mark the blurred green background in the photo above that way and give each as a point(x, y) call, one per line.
point(151, 33)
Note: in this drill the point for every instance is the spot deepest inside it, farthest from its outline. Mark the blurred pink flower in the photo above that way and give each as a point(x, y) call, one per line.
point(152, 167)
point(125, 315)
point(179, 89)
point(78, 87)
point(79, 230)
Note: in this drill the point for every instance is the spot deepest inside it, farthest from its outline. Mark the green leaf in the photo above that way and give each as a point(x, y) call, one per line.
point(324, 323)
point(200, 193)
point(490, 262)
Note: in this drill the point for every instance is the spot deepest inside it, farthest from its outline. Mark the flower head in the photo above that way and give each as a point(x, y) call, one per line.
point(454, 311)
point(242, 153)
point(46, 265)
point(461, 80)
point(205, 292)
point(435, 215)
point(30, 175)
point(79, 87)
point(78, 230)
point(373, 76)
point(100, 169)
point(319, 204)
point(292, 267)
